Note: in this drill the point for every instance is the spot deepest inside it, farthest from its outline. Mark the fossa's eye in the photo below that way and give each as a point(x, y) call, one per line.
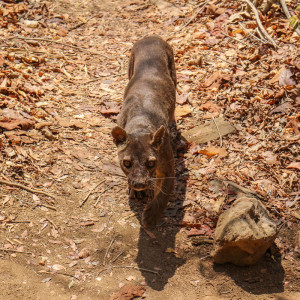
point(151, 163)
point(127, 164)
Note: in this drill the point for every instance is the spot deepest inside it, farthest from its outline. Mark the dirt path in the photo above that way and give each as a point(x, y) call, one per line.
point(79, 247)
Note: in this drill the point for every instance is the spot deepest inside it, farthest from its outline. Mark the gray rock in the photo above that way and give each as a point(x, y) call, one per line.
point(244, 232)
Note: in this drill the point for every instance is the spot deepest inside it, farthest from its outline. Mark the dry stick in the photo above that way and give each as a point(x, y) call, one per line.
point(136, 268)
point(255, 37)
point(34, 191)
point(109, 187)
point(59, 43)
point(51, 222)
point(108, 75)
point(16, 222)
point(107, 250)
point(221, 142)
point(83, 23)
point(240, 41)
point(89, 193)
point(194, 16)
point(117, 256)
point(15, 251)
point(45, 205)
point(259, 24)
point(287, 13)
point(62, 273)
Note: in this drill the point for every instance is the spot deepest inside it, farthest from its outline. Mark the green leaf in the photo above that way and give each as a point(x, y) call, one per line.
point(294, 22)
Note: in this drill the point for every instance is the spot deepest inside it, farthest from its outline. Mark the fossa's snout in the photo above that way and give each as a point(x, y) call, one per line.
point(139, 185)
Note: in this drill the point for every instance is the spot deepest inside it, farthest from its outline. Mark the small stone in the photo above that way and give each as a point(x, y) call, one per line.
point(84, 253)
point(244, 232)
point(131, 278)
point(31, 23)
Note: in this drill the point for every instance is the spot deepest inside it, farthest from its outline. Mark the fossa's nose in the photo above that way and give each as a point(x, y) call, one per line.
point(139, 185)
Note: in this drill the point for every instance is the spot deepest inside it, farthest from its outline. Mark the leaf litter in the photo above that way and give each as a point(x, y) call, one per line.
point(62, 76)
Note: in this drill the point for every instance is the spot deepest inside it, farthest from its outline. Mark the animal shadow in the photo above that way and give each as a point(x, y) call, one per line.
point(156, 258)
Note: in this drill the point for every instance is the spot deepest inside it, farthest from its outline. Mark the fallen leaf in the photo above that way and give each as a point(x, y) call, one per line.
point(285, 107)
point(276, 76)
point(195, 231)
point(285, 78)
point(294, 165)
point(110, 108)
point(210, 106)
point(11, 119)
point(57, 267)
point(212, 151)
point(182, 111)
point(270, 157)
point(182, 98)
point(128, 292)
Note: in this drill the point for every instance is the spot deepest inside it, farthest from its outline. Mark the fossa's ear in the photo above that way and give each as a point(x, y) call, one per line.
point(119, 135)
point(158, 137)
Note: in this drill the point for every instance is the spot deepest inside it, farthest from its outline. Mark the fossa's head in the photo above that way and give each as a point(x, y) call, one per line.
point(138, 155)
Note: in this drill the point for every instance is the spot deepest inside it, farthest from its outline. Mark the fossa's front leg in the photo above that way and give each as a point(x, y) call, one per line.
point(163, 190)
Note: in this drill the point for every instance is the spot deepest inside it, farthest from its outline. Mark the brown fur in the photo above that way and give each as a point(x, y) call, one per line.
point(142, 134)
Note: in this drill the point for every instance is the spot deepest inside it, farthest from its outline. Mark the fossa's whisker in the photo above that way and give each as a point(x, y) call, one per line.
point(161, 190)
point(154, 178)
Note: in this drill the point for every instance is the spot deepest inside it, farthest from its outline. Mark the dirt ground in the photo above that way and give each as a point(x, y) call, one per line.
point(70, 246)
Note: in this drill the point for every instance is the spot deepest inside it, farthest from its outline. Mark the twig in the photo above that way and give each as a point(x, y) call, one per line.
point(61, 273)
point(204, 257)
point(15, 251)
point(97, 201)
point(136, 268)
point(90, 192)
point(287, 13)
point(117, 256)
point(108, 75)
point(15, 222)
point(107, 250)
point(259, 24)
point(57, 42)
point(240, 41)
point(82, 23)
point(34, 191)
point(194, 16)
point(45, 205)
point(50, 221)
point(221, 141)
point(255, 37)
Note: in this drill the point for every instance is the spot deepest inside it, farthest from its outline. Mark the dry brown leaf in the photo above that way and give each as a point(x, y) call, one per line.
point(110, 108)
point(182, 98)
point(195, 231)
point(276, 76)
point(270, 157)
point(128, 292)
point(212, 151)
point(285, 78)
point(210, 106)
point(182, 111)
point(11, 119)
point(294, 165)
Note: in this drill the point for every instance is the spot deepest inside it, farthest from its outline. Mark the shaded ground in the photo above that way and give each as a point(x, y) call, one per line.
point(66, 73)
